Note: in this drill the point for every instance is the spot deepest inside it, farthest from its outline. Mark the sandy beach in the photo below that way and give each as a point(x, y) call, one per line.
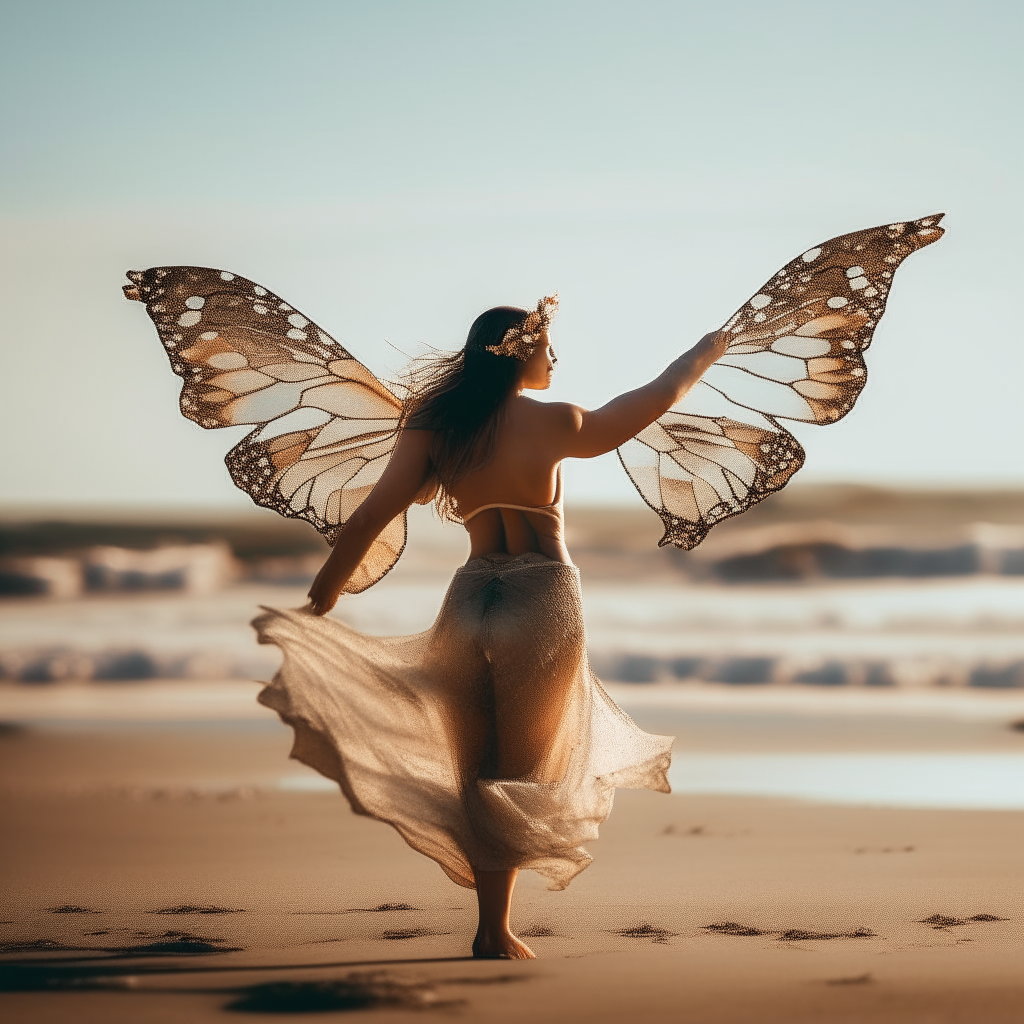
point(160, 868)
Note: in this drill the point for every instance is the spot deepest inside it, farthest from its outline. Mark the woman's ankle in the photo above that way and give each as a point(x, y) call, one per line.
point(501, 944)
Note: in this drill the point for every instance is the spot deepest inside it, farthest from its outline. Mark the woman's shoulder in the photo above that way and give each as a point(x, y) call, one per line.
point(552, 415)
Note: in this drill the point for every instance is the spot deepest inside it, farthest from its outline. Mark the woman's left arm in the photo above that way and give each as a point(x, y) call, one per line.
point(404, 478)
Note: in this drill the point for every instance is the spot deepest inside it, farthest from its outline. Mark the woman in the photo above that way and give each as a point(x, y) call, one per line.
point(487, 742)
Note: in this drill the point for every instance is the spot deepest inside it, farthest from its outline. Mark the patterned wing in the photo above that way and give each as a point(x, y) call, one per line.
point(325, 426)
point(795, 352)
point(796, 346)
point(695, 471)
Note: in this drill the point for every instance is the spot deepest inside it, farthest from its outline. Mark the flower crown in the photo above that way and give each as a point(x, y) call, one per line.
point(520, 339)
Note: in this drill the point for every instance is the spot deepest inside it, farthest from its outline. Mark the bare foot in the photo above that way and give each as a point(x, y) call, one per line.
point(503, 946)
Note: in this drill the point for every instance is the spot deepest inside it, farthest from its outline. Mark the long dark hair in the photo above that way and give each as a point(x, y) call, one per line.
point(461, 397)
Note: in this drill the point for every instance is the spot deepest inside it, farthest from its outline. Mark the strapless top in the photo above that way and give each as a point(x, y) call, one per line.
point(554, 509)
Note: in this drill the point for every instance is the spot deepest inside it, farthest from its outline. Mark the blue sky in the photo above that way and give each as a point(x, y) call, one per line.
point(394, 168)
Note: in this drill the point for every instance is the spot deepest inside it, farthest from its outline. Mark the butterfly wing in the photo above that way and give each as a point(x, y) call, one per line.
point(695, 471)
point(795, 352)
point(325, 425)
point(796, 347)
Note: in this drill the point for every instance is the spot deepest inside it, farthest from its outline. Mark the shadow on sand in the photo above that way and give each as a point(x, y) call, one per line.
point(356, 990)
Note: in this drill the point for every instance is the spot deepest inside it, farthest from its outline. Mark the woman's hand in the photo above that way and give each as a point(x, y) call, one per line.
point(711, 347)
point(324, 592)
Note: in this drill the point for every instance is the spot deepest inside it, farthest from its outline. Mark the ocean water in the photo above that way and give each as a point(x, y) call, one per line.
point(953, 781)
point(921, 628)
point(961, 781)
point(935, 631)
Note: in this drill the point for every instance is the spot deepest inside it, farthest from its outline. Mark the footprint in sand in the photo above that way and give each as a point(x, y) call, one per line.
point(35, 946)
point(185, 943)
point(940, 922)
point(400, 934)
point(800, 934)
point(182, 943)
point(884, 849)
point(732, 928)
point(190, 908)
point(537, 931)
point(381, 908)
point(645, 931)
point(786, 934)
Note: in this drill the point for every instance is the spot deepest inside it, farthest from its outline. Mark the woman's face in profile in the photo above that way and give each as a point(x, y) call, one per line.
point(538, 369)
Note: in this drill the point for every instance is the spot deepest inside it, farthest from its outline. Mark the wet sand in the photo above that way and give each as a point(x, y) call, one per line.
point(156, 871)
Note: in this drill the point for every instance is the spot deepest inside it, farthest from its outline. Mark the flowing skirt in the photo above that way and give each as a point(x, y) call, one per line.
point(486, 741)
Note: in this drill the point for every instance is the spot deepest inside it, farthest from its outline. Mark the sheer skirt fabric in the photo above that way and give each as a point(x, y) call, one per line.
point(486, 741)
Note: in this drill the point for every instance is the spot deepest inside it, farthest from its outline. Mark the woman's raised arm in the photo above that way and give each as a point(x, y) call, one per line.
point(406, 475)
point(593, 433)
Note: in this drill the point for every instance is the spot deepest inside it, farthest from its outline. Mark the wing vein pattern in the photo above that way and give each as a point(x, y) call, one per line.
point(796, 351)
point(325, 426)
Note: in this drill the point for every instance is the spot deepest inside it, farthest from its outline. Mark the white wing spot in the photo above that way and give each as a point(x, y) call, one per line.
point(848, 343)
point(855, 272)
point(812, 254)
point(297, 320)
point(225, 276)
point(837, 302)
point(297, 335)
point(258, 290)
point(760, 301)
point(195, 302)
point(208, 335)
point(190, 319)
point(857, 372)
point(870, 293)
point(759, 318)
point(257, 308)
point(859, 282)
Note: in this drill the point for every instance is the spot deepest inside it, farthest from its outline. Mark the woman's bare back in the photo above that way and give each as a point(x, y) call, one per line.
point(524, 471)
